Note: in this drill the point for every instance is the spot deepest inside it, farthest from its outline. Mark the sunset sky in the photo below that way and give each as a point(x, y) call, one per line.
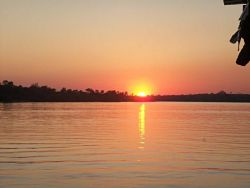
point(153, 46)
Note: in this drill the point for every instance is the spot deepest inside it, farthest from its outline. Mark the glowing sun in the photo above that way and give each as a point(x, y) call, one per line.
point(141, 89)
point(141, 94)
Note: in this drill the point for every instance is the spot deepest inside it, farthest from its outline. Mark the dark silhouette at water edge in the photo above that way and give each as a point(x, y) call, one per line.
point(9, 92)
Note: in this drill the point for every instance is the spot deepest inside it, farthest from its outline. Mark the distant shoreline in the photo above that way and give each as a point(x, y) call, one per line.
point(11, 93)
point(219, 102)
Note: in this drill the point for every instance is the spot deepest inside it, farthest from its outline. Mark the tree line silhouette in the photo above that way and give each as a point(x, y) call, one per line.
point(9, 92)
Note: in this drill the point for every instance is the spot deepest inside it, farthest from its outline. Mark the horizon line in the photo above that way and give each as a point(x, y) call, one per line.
point(101, 91)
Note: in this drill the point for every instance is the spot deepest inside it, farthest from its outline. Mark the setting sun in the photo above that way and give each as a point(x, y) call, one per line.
point(141, 88)
point(141, 94)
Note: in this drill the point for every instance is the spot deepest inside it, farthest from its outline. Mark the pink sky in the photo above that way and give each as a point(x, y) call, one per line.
point(160, 46)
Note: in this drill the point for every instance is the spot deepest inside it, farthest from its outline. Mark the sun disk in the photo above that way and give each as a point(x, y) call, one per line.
point(141, 94)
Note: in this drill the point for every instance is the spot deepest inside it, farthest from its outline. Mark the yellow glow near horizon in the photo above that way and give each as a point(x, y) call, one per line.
point(141, 94)
point(141, 89)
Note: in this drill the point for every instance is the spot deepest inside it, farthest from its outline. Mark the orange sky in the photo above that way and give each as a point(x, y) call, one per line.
point(160, 46)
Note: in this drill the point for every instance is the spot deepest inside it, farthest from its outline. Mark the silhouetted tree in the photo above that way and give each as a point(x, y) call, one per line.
point(90, 91)
point(35, 93)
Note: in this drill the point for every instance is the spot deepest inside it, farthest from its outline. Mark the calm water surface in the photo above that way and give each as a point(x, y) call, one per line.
point(125, 145)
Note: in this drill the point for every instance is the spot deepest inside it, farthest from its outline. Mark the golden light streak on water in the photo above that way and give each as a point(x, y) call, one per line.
point(142, 126)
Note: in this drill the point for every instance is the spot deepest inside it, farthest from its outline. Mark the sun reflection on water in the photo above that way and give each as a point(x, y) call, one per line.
point(142, 126)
